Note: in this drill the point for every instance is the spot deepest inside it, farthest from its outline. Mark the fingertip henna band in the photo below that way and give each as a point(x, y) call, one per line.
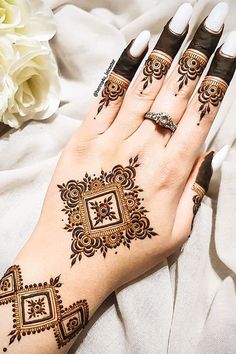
point(119, 79)
point(214, 86)
point(195, 58)
point(160, 59)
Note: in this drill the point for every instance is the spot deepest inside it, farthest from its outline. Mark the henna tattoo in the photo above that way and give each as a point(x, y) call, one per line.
point(210, 93)
point(114, 88)
point(120, 77)
point(191, 65)
point(38, 307)
point(108, 211)
point(214, 86)
point(197, 199)
point(194, 60)
point(202, 182)
point(159, 61)
point(156, 66)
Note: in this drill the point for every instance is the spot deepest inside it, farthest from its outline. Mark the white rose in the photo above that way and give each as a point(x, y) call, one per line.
point(7, 57)
point(33, 83)
point(27, 17)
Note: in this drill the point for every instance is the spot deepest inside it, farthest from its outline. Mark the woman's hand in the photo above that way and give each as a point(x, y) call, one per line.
point(125, 190)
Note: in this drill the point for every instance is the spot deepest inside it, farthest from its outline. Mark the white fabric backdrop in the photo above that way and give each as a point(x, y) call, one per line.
point(188, 304)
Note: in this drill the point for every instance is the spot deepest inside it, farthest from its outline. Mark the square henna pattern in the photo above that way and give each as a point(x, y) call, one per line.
point(104, 211)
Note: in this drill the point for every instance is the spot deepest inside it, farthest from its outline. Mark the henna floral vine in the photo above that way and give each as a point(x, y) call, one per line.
point(156, 66)
point(191, 65)
point(114, 87)
point(38, 307)
point(210, 93)
point(104, 212)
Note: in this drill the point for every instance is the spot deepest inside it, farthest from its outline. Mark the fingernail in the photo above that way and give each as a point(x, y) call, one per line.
point(216, 18)
point(219, 158)
point(140, 44)
point(229, 46)
point(181, 18)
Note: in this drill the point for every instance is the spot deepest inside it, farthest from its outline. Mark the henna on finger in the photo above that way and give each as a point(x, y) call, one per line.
point(120, 78)
point(38, 307)
point(160, 59)
point(105, 211)
point(201, 184)
point(213, 88)
point(194, 59)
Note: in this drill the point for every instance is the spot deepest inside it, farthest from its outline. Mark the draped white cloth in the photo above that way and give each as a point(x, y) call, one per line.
point(188, 304)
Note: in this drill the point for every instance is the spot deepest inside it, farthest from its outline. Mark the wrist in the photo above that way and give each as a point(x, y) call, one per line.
point(46, 255)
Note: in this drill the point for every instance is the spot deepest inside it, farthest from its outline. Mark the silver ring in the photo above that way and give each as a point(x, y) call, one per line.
point(162, 119)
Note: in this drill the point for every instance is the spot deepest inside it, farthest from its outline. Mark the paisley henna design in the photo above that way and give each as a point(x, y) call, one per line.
point(195, 58)
point(38, 307)
point(106, 212)
point(202, 182)
point(120, 77)
point(210, 93)
point(191, 65)
point(156, 66)
point(159, 61)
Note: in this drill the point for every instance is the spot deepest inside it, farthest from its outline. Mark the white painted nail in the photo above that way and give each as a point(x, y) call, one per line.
point(140, 43)
point(229, 46)
point(181, 18)
point(216, 18)
point(219, 158)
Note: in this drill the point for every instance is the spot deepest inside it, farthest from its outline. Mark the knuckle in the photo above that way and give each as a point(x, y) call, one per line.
point(169, 176)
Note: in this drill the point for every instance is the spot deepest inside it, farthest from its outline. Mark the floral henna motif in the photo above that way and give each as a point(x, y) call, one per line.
point(106, 212)
point(103, 210)
point(114, 87)
point(191, 65)
point(38, 307)
point(211, 93)
point(156, 66)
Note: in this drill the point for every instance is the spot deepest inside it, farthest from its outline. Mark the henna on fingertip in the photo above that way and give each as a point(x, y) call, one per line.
point(160, 59)
point(120, 77)
point(213, 88)
point(195, 58)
